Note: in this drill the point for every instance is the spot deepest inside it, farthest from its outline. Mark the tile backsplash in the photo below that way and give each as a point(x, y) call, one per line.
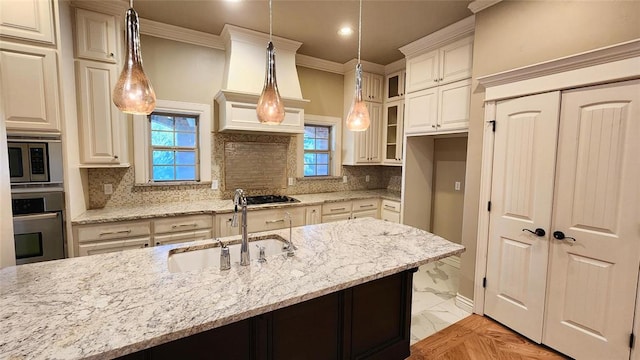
point(126, 193)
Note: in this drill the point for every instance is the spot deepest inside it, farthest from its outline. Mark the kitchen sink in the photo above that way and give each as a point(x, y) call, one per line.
point(208, 256)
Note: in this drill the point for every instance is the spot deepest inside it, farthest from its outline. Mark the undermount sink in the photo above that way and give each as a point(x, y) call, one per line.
point(208, 256)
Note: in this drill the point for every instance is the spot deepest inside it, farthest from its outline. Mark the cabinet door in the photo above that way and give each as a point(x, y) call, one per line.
point(390, 216)
point(29, 82)
point(336, 217)
point(113, 246)
point(453, 107)
point(394, 85)
point(374, 132)
point(99, 118)
point(273, 219)
point(182, 223)
point(363, 214)
point(422, 71)
point(376, 86)
point(182, 237)
point(96, 36)
point(27, 20)
point(392, 132)
point(312, 215)
point(456, 61)
point(223, 225)
point(421, 111)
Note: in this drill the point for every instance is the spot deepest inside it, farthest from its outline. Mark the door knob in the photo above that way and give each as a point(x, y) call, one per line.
point(560, 236)
point(537, 232)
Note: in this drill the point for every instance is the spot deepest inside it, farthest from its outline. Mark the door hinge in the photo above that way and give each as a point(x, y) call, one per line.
point(493, 125)
point(632, 340)
point(484, 283)
point(489, 206)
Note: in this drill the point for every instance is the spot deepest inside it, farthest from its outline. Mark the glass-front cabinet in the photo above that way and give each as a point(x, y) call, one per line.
point(394, 86)
point(393, 132)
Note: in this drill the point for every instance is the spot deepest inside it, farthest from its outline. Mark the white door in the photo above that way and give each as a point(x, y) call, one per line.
point(592, 280)
point(521, 198)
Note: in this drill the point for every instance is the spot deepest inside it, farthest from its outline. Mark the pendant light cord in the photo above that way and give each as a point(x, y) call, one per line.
point(359, 31)
point(131, 4)
point(270, 20)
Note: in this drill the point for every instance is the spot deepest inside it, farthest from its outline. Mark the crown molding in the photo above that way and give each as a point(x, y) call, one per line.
point(235, 33)
point(366, 66)
point(319, 64)
point(441, 37)
point(395, 66)
point(479, 5)
point(176, 33)
point(105, 7)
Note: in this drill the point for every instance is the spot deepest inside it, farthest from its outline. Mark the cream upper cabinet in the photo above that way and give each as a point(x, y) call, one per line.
point(438, 110)
point(96, 36)
point(447, 64)
point(100, 121)
point(395, 85)
point(363, 147)
point(30, 20)
point(30, 89)
point(372, 85)
point(392, 132)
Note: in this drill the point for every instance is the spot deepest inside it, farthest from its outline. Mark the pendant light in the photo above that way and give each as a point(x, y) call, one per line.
point(133, 93)
point(270, 108)
point(358, 118)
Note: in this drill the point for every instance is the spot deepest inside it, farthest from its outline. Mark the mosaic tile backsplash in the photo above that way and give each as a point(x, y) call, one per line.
point(125, 193)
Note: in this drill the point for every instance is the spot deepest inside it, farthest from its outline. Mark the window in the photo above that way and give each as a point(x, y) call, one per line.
point(173, 144)
point(316, 150)
point(174, 147)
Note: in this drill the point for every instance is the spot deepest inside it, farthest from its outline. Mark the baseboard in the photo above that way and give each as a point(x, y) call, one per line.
point(464, 303)
point(452, 260)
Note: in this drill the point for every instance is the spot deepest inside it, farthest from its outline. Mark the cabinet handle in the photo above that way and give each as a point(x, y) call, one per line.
point(273, 221)
point(389, 207)
point(115, 232)
point(338, 209)
point(184, 225)
point(366, 206)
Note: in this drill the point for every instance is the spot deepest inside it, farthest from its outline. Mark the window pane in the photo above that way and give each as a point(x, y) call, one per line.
point(163, 173)
point(162, 157)
point(186, 139)
point(309, 158)
point(322, 132)
point(162, 138)
point(185, 158)
point(185, 172)
point(185, 124)
point(309, 144)
point(322, 170)
point(322, 144)
point(309, 132)
point(323, 159)
point(160, 122)
point(309, 170)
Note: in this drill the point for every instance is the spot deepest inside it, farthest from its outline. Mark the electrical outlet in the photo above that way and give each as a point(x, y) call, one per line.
point(457, 186)
point(108, 189)
point(290, 181)
point(367, 178)
point(214, 185)
point(344, 179)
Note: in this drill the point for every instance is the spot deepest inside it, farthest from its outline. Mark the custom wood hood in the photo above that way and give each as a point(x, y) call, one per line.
point(244, 78)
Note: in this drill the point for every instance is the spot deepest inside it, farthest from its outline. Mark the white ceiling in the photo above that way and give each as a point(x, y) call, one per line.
point(386, 24)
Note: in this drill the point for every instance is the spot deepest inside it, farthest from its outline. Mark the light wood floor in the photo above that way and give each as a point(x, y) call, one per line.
point(478, 337)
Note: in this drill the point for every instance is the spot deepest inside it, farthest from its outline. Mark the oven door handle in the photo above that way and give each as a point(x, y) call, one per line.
point(44, 216)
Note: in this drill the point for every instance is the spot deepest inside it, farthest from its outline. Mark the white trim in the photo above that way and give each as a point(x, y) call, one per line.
point(483, 215)
point(105, 7)
point(176, 33)
point(464, 303)
point(441, 37)
point(236, 33)
point(366, 66)
point(141, 138)
point(336, 143)
point(452, 261)
point(611, 63)
point(319, 64)
point(395, 66)
point(479, 5)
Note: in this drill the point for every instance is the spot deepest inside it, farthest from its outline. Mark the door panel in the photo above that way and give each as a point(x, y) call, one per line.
point(592, 282)
point(521, 198)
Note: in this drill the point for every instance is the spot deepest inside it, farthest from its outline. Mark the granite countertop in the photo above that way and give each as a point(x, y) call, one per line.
point(218, 206)
point(104, 306)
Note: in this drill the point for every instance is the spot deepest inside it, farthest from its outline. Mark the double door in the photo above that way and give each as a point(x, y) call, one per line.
point(564, 244)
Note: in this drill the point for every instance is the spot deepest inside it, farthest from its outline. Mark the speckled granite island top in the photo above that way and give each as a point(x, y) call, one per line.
point(103, 306)
point(219, 206)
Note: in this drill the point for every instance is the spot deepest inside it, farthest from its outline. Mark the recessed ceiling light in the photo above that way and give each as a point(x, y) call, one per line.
point(345, 31)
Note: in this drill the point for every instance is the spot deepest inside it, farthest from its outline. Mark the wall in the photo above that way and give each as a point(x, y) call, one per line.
point(513, 34)
point(449, 164)
point(185, 72)
point(7, 249)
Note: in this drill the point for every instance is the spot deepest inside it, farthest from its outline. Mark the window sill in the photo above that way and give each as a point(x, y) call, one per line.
point(174, 183)
point(314, 178)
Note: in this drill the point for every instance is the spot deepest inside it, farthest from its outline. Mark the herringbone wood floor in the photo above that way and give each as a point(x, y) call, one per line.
point(477, 337)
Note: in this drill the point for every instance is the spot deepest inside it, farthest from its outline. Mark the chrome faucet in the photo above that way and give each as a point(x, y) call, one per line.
point(240, 199)
point(289, 245)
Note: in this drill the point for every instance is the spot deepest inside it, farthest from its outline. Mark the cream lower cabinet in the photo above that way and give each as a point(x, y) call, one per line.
point(365, 208)
point(313, 215)
point(274, 219)
point(223, 225)
point(442, 109)
point(346, 210)
point(390, 211)
point(173, 230)
point(111, 237)
point(29, 87)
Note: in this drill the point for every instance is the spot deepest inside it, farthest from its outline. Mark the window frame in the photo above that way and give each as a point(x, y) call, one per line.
point(142, 141)
point(335, 146)
point(316, 151)
point(175, 148)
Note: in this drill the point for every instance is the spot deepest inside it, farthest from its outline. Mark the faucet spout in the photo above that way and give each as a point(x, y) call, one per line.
point(239, 199)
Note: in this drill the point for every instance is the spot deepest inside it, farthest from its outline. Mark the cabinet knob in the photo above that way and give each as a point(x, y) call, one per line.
point(435, 80)
point(115, 157)
point(441, 79)
point(158, 243)
point(433, 126)
point(112, 54)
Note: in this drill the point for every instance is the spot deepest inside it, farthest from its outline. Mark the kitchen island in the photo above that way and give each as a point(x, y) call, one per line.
point(111, 305)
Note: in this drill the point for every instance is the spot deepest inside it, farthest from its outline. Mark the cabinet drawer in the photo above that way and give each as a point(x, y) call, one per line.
point(336, 208)
point(390, 216)
point(182, 237)
point(104, 247)
point(223, 225)
point(365, 204)
point(390, 205)
point(117, 230)
point(336, 217)
point(274, 219)
point(182, 223)
point(363, 214)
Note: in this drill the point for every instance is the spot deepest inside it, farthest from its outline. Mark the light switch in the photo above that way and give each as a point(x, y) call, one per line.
point(290, 181)
point(344, 179)
point(367, 178)
point(108, 189)
point(457, 186)
point(214, 185)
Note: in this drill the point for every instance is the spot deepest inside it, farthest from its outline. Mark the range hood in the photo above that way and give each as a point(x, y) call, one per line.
point(243, 80)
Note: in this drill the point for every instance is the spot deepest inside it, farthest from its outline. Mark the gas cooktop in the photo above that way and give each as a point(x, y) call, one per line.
point(270, 199)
